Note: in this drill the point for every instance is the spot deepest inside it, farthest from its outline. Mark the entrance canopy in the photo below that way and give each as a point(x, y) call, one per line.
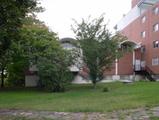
point(133, 44)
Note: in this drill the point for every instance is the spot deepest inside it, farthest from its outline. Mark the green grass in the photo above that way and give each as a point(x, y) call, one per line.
point(154, 118)
point(82, 98)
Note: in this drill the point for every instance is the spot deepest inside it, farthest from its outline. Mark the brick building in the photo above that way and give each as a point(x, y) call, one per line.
point(141, 26)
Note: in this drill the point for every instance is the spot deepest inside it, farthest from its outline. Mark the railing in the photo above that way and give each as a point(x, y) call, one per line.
point(149, 70)
point(149, 73)
point(145, 71)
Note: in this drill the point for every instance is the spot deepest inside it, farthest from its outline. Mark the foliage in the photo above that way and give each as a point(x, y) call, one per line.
point(12, 14)
point(19, 54)
point(54, 71)
point(11, 19)
point(16, 71)
point(4, 60)
point(44, 51)
point(25, 41)
point(105, 89)
point(99, 47)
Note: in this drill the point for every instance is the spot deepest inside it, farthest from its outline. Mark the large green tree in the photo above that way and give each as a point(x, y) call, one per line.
point(52, 61)
point(12, 15)
point(99, 47)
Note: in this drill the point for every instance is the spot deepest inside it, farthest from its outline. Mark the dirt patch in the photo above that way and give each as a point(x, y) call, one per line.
point(133, 114)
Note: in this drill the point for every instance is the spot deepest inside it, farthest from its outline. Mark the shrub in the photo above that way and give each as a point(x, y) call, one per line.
point(54, 72)
point(105, 89)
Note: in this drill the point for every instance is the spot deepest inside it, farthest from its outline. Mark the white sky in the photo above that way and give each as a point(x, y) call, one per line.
point(58, 14)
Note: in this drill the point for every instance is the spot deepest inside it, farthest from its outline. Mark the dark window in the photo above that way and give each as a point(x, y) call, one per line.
point(155, 27)
point(143, 49)
point(156, 10)
point(156, 44)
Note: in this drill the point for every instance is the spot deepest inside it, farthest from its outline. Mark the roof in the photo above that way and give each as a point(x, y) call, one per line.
point(67, 39)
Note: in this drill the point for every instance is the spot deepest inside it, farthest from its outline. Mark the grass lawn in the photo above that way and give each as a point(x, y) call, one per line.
point(82, 98)
point(154, 118)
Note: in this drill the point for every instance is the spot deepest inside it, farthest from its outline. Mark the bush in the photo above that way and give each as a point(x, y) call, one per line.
point(105, 89)
point(54, 72)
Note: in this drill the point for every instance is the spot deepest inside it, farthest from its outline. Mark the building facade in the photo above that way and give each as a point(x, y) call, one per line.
point(141, 26)
point(79, 71)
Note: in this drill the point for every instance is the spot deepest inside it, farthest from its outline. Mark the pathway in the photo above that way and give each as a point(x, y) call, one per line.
point(134, 114)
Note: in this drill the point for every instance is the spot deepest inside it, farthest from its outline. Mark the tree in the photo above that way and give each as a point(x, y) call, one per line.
point(19, 52)
point(11, 19)
point(44, 50)
point(19, 63)
point(99, 46)
point(54, 70)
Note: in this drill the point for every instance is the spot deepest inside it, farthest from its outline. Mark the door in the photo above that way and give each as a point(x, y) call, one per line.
point(137, 65)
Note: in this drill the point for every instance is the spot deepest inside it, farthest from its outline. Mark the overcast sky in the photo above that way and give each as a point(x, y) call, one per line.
point(58, 14)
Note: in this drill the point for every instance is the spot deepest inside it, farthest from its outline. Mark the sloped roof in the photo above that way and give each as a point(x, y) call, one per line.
point(67, 39)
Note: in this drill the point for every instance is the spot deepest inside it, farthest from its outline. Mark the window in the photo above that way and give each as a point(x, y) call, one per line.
point(67, 45)
point(143, 19)
point(143, 34)
point(155, 27)
point(156, 44)
point(156, 10)
point(155, 61)
point(143, 49)
point(143, 64)
point(125, 47)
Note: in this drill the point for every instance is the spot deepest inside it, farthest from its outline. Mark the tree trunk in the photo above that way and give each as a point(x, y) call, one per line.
point(2, 77)
point(94, 85)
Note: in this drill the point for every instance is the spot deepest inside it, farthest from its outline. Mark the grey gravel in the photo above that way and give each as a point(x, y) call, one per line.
point(132, 114)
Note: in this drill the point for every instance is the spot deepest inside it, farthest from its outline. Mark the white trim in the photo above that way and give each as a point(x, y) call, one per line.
point(133, 57)
point(116, 66)
point(136, 45)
